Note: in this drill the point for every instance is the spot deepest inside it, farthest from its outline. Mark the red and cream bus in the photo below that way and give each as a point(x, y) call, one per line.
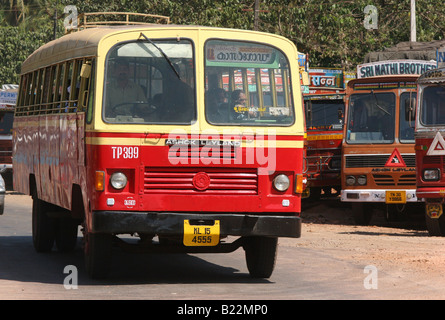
point(378, 167)
point(129, 130)
point(430, 147)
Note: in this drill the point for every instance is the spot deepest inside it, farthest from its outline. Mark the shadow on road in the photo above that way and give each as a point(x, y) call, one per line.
point(20, 262)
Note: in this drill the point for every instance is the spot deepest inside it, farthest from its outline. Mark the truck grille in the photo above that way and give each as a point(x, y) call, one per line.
point(376, 161)
point(388, 180)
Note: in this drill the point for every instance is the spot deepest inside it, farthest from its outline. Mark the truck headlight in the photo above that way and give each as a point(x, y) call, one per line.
point(281, 182)
point(350, 180)
point(361, 180)
point(118, 180)
point(431, 174)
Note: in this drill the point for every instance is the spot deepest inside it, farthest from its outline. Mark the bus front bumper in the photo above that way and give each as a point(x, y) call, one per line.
point(120, 222)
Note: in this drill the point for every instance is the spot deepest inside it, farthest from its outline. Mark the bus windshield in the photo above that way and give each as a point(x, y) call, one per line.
point(247, 84)
point(324, 114)
point(150, 81)
point(432, 111)
point(371, 118)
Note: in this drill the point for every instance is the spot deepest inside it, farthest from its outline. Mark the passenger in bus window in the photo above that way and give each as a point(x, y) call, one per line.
point(123, 95)
point(238, 108)
point(217, 108)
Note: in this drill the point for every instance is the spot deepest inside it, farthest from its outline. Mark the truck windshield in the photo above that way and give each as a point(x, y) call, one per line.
point(432, 109)
point(371, 118)
point(324, 115)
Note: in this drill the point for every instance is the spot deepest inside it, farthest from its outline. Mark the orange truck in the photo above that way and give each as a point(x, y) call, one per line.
point(378, 158)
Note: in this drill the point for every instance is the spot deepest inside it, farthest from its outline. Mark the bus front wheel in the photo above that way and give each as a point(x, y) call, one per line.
point(97, 254)
point(261, 253)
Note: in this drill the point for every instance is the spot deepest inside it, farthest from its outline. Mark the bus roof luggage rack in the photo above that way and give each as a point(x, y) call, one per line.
point(97, 19)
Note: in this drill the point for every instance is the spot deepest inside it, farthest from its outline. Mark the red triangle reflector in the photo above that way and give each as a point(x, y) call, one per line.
point(395, 160)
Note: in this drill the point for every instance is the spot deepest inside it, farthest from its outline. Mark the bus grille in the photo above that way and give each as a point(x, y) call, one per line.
point(376, 161)
point(388, 180)
point(181, 181)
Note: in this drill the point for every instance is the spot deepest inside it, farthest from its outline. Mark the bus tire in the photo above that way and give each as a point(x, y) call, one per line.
point(43, 227)
point(98, 254)
point(362, 213)
point(261, 253)
point(435, 226)
point(66, 234)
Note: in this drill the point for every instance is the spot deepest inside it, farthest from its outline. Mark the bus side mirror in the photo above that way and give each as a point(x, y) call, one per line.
point(410, 109)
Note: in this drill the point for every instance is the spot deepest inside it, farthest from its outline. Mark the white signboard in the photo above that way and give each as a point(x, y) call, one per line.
point(394, 67)
point(8, 97)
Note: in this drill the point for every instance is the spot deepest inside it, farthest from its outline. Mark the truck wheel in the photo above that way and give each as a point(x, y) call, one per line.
point(435, 226)
point(98, 254)
point(362, 213)
point(261, 253)
point(43, 227)
point(66, 234)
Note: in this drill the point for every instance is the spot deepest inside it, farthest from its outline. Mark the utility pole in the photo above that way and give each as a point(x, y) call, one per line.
point(413, 21)
point(256, 16)
point(55, 24)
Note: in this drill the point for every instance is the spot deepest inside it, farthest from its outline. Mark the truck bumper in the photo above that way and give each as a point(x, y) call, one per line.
point(119, 222)
point(375, 195)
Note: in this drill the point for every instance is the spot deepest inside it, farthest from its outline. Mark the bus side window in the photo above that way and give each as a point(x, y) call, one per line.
point(90, 96)
point(84, 75)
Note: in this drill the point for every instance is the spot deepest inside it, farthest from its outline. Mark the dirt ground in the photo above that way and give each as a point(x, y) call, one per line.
point(402, 246)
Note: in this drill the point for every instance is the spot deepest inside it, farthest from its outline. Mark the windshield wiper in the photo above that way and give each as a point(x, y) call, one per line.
point(163, 54)
point(377, 104)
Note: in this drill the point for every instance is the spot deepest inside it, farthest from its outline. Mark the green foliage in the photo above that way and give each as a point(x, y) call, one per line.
point(15, 47)
point(331, 32)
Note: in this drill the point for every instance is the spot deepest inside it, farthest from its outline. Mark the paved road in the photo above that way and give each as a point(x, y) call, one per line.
point(300, 273)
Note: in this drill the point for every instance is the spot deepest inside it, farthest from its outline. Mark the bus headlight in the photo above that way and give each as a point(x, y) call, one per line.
point(350, 180)
point(361, 180)
point(118, 180)
point(431, 174)
point(281, 182)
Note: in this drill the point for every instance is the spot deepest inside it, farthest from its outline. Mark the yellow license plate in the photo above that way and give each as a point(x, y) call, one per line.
point(201, 235)
point(395, 197)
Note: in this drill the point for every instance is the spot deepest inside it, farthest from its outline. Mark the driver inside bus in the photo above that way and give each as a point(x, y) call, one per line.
point(124, 97)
